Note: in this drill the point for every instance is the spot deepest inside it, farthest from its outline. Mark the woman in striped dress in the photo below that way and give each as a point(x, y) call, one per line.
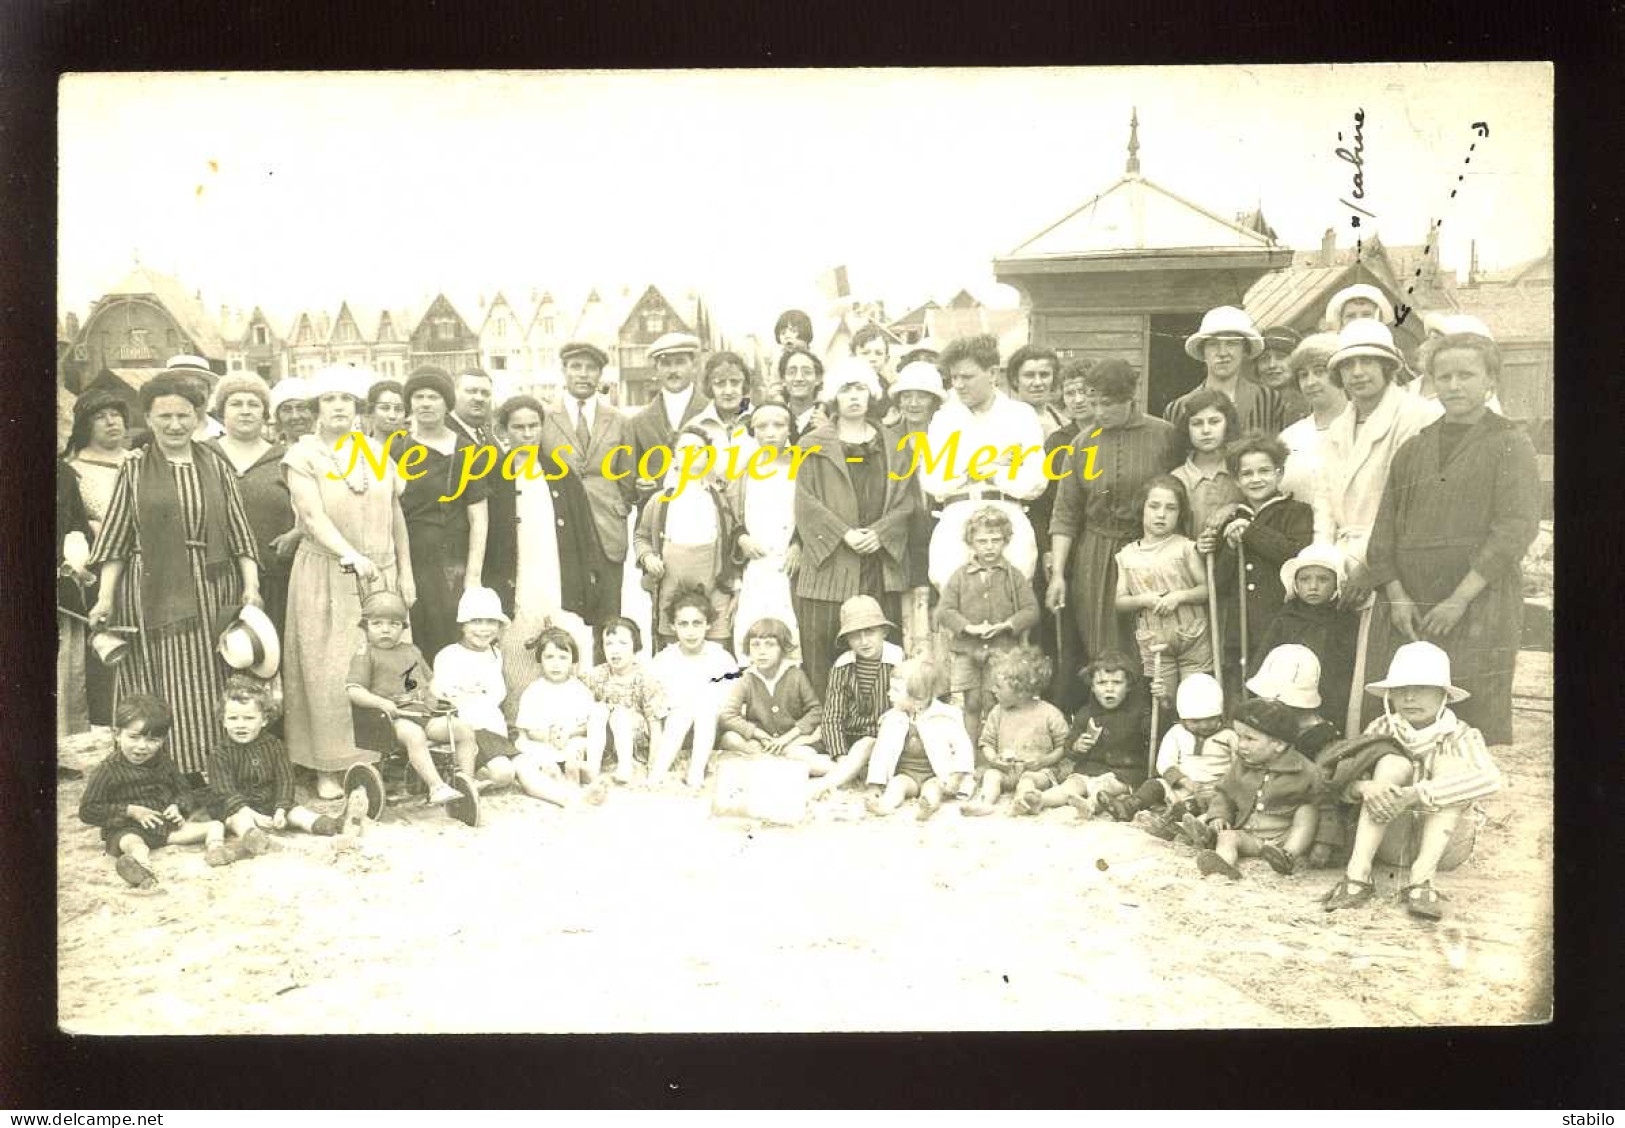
point(175, 550)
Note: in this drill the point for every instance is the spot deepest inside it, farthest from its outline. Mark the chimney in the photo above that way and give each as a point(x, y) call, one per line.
point(73, 326)
point(1472, 264)
point(1328, 247)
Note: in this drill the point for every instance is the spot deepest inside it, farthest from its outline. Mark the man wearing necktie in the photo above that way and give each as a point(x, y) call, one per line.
point(676, 360)
point(472, 417)
point(591, 427)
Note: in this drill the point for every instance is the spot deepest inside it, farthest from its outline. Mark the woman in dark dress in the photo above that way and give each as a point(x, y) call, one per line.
point(175, 550)
point(852, 517)
point(1459, 511)
point(243, 405)
point(447, 538)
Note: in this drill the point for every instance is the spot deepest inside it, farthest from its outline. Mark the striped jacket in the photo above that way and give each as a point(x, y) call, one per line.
point(115, 784)
point(1455, 770)
point(849, 715)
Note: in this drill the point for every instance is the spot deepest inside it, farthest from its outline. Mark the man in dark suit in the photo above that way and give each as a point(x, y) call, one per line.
point(592, 428)
point(472, 419)
point(676, 360)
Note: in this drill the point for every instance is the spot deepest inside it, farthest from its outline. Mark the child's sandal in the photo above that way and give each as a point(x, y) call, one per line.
point(1280, 860)
point(134, 873)
point(255, 842)
point(1211, 862)
point(1348, 893)
point(1422, 901)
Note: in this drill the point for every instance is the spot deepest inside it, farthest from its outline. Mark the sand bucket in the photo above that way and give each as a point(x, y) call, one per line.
point(761, 787)
point(110, 649)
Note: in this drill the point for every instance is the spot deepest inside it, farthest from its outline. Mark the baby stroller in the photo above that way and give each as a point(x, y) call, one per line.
point(391, 778)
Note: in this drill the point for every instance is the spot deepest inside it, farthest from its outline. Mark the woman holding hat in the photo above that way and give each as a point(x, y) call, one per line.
point(447, 538)
point(854, 506)
point(352, 532)
point(1461, 508)
point(1325, 401)
point(1356, 451)
point(174, 551)
point(243, 404)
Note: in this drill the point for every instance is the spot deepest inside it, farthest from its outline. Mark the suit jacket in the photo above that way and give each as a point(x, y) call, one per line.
point(610, 499)
point(501, 548)
point(649, 428)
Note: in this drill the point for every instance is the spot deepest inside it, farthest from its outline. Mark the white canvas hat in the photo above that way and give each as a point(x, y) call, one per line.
point(1334, 308)
point(1198, 698)
point(1365, 336)
point(1419, 663)
point(1225, 321)
point(481, 603)
point(1290, 674)
point(1327, 556)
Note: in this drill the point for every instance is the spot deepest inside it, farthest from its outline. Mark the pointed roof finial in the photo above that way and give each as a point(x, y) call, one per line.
point(1134, 142)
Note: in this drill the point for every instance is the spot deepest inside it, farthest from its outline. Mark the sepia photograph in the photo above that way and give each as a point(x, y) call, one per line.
point(828, 550)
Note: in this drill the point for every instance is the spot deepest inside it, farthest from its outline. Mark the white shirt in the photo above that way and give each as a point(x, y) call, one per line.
point(579, 410)
point(472, 681)
point(675, 404)
point(1003, 423)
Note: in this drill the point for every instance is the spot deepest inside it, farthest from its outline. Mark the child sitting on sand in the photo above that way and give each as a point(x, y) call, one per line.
point(251, 777)
point(695, 674)
point(631, 704)
point(1290, 674)
point(554, 712)
point(858, 692)
point(1193, 757)
point(468, 673)
point(136, 795)
point(1023, 740)
point(1107, 745)
point(773, 706)
point(1416, 800)
point(921, 747)
point(1265, 804)
point(392, 677)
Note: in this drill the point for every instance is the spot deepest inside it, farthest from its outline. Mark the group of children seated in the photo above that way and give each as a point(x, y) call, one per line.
point(1260, 777)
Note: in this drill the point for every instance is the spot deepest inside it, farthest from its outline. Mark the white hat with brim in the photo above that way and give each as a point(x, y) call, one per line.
point(341, 378)
point(289, 389)
point(674, 343)
point(849, 370)
point(1199, 697)
point(1444, 324)
point(1419, 663)
point(1334, 308)
point(250, 643)
point(1290, 674)
point(1326, 556)
point(1225, 321)
point(481, 603)
point(862, 612)
point(1365, 336)
point(919, 376)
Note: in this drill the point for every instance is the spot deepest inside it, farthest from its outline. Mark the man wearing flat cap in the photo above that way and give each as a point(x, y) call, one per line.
point(591, 428)
point(676, 359)
point(1226, 342)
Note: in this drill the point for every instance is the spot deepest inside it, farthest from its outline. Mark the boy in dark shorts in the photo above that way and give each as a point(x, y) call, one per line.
point(138, 799)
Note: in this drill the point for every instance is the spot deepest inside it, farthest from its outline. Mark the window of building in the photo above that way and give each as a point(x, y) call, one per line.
point(654, 321)
point(500, 363)
point(501, 329)
point(445, 328)
point(347, 333)
point(236, 364)
point(632, 357)
point(261, 335)
point(264, 371)
point(547, 326)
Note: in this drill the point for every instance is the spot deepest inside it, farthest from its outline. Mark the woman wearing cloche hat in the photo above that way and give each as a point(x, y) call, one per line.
point(1415, 805)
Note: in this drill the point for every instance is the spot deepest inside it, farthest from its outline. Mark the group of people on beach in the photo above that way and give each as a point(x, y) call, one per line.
point(1183, 630)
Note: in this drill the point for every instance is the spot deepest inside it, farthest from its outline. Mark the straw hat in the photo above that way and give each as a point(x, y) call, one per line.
point(1290, 674)
point(1419, 663)
point(862, 611)
point(1224, 321)
point(919, 376)
point(481, 603)
point(1365, 336)
point(1334, 308)
point(1326, 556)
point(1199, 697)
point(248, 642)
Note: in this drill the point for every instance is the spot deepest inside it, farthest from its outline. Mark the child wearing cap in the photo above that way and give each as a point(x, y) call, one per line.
point(987, 607)
point(1312, 580)
point(1290, 674)
point(468, 673)
point(686, 536)
point(766, 507)
point(1023, 744)
point(921, 748)
point(858, 692)
point(391, 676)
point(138, 799)
point(251, 777)
point(1106, 746)
point(695, 673)
point(1417, 795)
point(555, 712)
point(1193, 757)
point(1265, 804)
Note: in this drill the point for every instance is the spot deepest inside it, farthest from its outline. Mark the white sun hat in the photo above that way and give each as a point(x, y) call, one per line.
point(1290, 674)
point(1419, 663)
point(1222, 321)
